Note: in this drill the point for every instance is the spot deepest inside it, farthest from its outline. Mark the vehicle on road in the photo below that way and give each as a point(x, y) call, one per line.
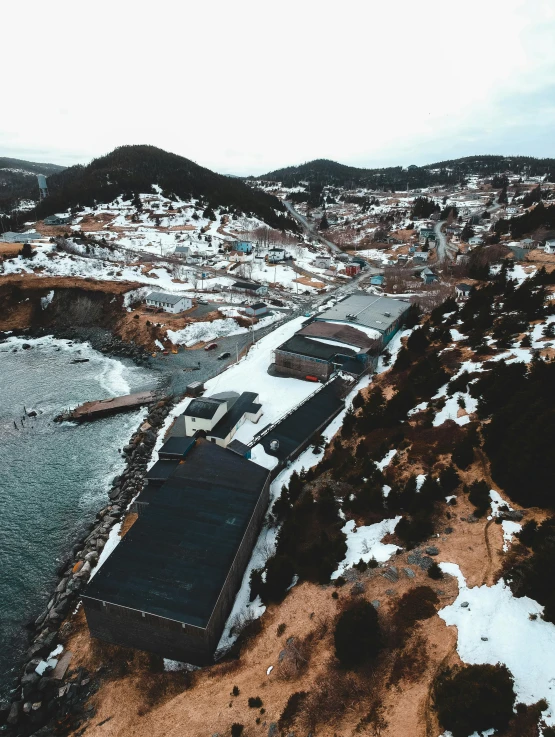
point(210, 346)
point(222, 356)
point(202, 301)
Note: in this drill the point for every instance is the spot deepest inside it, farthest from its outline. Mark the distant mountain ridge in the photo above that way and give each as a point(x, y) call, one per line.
point(324, 172)
point(33, 167)
point(18, 179)
point(132, 169)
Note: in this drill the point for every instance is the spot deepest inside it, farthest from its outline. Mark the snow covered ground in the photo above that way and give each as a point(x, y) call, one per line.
point(495, 627)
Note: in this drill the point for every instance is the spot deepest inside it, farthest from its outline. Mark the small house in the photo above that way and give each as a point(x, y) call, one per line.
point(238, 257)
point(377, 281)
point(169, 302)
point(257, 310)
point(476, 240)
point(275, 255)
point(427, 232)
point(528, 244)
point(182, 251)
point(352, 269)
point(195, 259)
point(550, 246)
point(462, 292)
point(250, 287)
point(220, 416)
point(421, 256)
point(428, 276)
point(57, 220)
point(243, 246)
point(322, 262)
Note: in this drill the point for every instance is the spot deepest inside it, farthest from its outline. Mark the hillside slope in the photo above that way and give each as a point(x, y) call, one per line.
point(18, 179)
point(131, 169)
point(325, 172)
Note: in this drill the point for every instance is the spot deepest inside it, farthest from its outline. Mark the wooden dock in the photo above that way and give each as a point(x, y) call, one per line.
point(104, 407)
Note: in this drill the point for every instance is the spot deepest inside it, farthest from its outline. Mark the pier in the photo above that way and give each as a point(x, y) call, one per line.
point(104, 407)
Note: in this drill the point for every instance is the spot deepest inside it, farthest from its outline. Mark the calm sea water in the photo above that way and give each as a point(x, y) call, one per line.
point(53, 477)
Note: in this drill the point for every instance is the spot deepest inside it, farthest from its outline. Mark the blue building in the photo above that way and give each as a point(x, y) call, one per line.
point(243, 246)
point(377, 281)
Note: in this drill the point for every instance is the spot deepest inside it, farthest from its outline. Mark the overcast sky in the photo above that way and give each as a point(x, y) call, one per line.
point(249, 86)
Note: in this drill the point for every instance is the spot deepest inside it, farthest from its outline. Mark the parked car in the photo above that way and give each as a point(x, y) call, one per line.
point(202, 301)
point(222, 356)
point(210, 346)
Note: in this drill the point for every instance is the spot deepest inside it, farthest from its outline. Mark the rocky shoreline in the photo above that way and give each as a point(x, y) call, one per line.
point(56, 693)
point(102, 340)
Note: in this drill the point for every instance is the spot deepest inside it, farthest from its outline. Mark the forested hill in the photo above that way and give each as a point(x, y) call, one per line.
point(131, 169)
point(325, 172)
point(18, 179)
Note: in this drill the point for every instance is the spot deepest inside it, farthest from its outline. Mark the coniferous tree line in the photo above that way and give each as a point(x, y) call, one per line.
point(131, 169)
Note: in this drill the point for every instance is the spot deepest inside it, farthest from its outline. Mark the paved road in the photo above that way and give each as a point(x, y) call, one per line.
point(442, 249)
point(309, 229)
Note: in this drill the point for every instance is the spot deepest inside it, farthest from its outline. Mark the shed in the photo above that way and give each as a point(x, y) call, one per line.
point(257, 310)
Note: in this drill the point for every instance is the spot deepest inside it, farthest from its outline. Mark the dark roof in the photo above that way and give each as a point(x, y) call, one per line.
point(162, 469)
point(238, 447)
point(244, 403)
point(314, 349)
point(464, 287)
point(204, 408)
point(301, 424)
point(338, 332)
point(175, 559)
point(176, 447)
point(246, 285)
point(257, 306)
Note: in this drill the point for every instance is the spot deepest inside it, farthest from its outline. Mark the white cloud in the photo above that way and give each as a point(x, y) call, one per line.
point(247, 86)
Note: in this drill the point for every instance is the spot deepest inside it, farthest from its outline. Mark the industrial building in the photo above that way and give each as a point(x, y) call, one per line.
point(348, 337)
point(170, 584)
point(368, 311)
point(320, 348)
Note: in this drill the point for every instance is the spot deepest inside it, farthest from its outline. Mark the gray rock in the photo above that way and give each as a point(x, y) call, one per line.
point(31, 665)
point(464, 604)
point(357, 588)
point(514, 515)
point(273, 730)
point(375, 604)
point(484, 639)
point(15, 711)
point(432, 550)
point(409, 573)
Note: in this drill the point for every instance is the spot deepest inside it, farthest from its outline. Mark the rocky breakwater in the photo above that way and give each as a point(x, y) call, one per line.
point(48, 691)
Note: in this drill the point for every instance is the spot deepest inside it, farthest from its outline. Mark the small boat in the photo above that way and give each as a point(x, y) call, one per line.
point(80, 360)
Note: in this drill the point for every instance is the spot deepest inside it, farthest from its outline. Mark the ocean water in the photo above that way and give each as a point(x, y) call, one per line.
point(53, 477)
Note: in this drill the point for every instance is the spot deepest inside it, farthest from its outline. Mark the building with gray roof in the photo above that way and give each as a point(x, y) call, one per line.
point(169, 302)
point(383, 314)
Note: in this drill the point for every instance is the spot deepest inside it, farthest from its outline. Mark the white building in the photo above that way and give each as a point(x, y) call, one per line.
point(276, 254)
point(550, 246)
point(221, 415)
point(169, 302)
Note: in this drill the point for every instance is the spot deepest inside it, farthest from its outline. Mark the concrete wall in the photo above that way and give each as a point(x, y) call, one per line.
point(129, 628)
